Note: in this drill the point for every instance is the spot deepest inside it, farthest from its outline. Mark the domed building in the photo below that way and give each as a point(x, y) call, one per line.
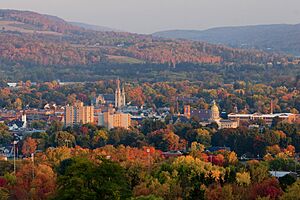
point(215, 113)
point(222, 123)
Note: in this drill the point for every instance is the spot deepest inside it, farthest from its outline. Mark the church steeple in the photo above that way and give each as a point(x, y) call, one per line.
point(123, 97)
point(24, 119)
point(120, 100)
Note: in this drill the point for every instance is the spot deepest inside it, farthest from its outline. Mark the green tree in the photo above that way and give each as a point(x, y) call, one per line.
point(150, 125)
point(5, 136)
point(100, 138)
point(79, 178)
point(150, 197)
point(286, 181)
point(271, 138)
point(55, 126)
point(133, 138)
point(63, 138)
point(292, 192)
point(38, 124)
point(42, 139)
point(259, 171)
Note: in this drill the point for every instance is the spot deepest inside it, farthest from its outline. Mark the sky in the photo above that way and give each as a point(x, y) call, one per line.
point(148, 16)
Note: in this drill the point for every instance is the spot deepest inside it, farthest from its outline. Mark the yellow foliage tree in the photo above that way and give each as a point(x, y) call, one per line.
point(243, 178)
point(232, 158)
point(56, 155)
point(268, 157)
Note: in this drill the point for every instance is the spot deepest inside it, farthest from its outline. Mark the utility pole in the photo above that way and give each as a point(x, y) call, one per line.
point(149, 162)
point(32, 159)
point(296, 162)
point(14, 158)
point(14, 150)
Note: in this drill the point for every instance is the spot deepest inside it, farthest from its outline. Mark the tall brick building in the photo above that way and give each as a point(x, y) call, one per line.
point(78, 114)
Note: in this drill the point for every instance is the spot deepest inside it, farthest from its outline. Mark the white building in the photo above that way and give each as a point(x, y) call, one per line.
point(267, 118)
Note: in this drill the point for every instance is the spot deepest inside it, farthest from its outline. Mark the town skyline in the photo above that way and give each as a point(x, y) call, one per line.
point(93, 112)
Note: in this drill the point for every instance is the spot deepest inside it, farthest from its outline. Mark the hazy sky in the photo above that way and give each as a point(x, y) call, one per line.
point(147, 16)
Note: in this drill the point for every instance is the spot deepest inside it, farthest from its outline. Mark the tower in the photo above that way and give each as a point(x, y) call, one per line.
point(123, 97)
point(120, 96)
point(24, 119)
point(235, 109)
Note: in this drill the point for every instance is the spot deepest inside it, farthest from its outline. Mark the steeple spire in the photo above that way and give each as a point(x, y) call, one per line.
point(24, 119)
point(123, 97)
point(118, 84)
point(120, 96)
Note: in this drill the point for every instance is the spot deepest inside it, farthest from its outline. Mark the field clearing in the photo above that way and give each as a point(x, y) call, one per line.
point(124, 59)
point(23, 28)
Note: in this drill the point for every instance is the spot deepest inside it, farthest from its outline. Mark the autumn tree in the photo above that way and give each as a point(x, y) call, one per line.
point(18, 104)
point(4, 193)
point(268, 188)
point(54, 156)
point(35, 182)
point(29, 146)
point(243, 178)
point(217, 192)
point(190, 170)
point(165, 140)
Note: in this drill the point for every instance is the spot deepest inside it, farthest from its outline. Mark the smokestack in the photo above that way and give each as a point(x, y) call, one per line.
point(272, 107)
point(187, 111)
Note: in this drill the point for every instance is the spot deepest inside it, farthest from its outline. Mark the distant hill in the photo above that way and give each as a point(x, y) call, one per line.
point(283, 38)
point(27, 21)
point(29, 39)
point(94, 27)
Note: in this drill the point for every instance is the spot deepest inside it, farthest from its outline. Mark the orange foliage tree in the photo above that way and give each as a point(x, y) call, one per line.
point(29, 146)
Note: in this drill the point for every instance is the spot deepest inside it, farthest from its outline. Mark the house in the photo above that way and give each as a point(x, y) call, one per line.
point(18, 123)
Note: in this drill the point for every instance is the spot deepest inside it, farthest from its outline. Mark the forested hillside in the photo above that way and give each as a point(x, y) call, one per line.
point(31, 39)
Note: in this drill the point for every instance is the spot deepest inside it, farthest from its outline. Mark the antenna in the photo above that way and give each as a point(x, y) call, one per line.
point(235, 109)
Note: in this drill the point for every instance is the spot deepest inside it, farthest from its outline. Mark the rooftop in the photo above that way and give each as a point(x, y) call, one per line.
point(261, 115)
